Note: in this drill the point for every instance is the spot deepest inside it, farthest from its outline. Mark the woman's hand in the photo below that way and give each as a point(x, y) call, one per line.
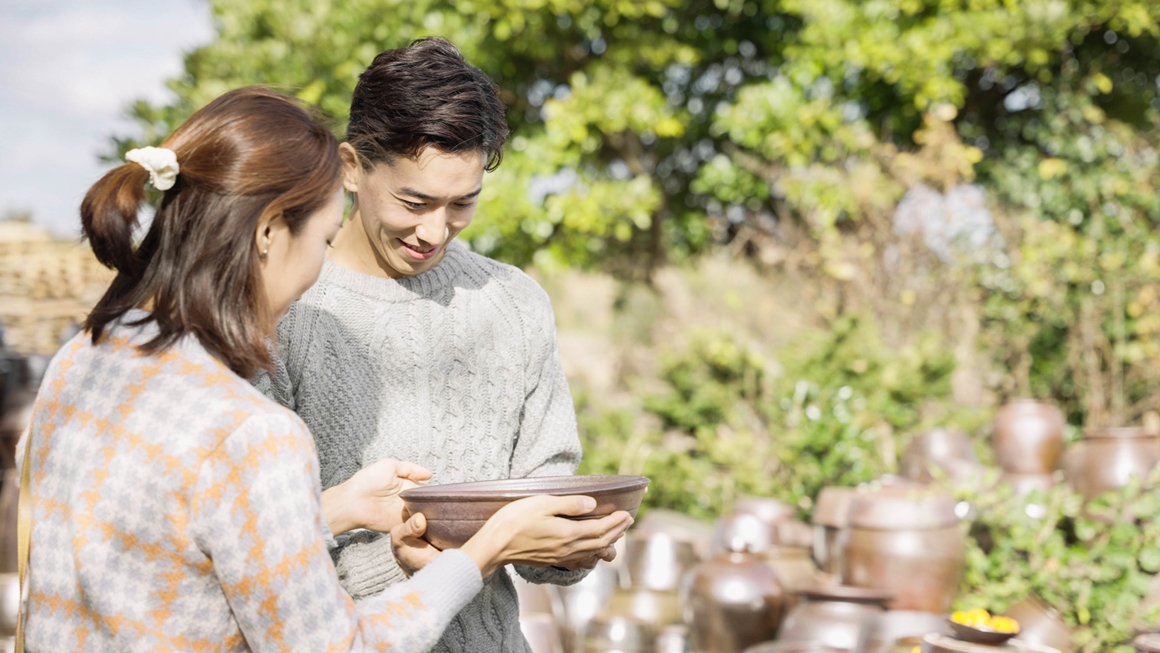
point(370, 498)
point(532, 532)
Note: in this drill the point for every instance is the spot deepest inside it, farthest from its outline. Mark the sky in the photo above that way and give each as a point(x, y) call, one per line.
point(68, 70)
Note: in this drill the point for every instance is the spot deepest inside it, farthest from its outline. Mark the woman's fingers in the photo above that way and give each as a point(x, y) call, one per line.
point(570, 506)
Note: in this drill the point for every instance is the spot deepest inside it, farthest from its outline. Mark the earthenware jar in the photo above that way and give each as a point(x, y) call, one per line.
point(541, 615)
point(1107, 458)
point(752, 533)
point(906, 539)
point(9, 603)
point(769, 510)
point(673, 639)
point(899, 631)
point(945, 453)
point(681, 527)
point(1147, 643)
point(833, 616)
point(1029, 436)
point(618, 634)
point(1024, 484)
point(793, 647)
point(654, 607)
point(831, 515)
point(586, 599)
point(1041, 624)
point(731, 601)
point(657, 561)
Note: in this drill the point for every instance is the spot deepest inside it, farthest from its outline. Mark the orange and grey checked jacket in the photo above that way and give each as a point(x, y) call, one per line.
point(175, 508)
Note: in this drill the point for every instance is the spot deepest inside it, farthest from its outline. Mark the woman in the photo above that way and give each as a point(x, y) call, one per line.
point(170, 503)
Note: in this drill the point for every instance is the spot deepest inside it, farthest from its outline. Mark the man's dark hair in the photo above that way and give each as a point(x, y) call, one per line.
point(425, 94)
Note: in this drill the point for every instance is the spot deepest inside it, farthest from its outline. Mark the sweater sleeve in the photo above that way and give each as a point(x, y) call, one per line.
point(548, 443)
point(256, 513)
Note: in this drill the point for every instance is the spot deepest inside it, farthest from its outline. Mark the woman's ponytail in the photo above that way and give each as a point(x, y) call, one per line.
point(109, 217)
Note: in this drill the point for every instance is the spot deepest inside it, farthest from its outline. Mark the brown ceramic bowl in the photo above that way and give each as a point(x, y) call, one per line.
point(980, 635)
point(455, 511)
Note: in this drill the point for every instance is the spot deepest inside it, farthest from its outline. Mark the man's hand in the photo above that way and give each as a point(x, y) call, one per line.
point(370, 498)
point(412, 552)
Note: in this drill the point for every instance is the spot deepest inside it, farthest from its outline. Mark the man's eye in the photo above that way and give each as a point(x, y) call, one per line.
point(464, 205)
point(414, 205)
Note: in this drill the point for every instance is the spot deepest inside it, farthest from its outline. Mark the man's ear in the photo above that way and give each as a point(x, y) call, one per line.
point(352, 170)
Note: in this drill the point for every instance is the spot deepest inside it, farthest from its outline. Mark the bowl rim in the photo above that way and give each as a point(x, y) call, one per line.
point(518, 488)
point(987, 631)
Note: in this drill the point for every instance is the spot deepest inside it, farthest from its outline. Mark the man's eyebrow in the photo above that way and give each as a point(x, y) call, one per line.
point(427, 198)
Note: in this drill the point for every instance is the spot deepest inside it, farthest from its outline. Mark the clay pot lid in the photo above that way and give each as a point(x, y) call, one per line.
point(848, 594)
point(902, 507)
point(833, 507)
point(767, 509)
point(1147, 643)
point(1116, 433)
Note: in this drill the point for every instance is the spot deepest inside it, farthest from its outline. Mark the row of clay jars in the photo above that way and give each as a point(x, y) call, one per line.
point(1029, 444)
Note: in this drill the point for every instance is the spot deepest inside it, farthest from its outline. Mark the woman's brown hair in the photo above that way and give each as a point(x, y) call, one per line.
point(249, 155)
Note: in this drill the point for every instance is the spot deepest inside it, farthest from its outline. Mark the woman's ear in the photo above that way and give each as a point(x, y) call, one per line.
point(352, 170)
point(269, 230)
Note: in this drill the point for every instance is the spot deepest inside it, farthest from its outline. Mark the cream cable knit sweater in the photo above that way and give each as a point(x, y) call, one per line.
point(455, 369)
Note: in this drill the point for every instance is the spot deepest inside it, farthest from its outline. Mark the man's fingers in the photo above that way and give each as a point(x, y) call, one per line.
point(411, 471)
point(413, 528)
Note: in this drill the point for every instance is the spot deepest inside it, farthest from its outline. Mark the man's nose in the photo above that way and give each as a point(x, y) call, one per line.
point(433, 229)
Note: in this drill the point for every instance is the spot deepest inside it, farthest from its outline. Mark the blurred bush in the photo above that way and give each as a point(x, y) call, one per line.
point(1098, 565)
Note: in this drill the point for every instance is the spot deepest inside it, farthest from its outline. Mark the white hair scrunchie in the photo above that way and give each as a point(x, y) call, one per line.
point(160, 162)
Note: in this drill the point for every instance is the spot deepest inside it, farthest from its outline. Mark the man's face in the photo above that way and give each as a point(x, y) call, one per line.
point(411, 209)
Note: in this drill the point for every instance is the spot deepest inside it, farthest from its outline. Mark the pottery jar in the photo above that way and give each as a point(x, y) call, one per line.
point(1039, 623)
point(753, 534)
point(1107, 458)
point(1147, 643)
point(1024, 484)
point(833, 616)
point(907, 540)
point(1029, 436)
point(899, 631)
point(769, 510)
point(792, 647)
point(650, 606)
point(657, 561)
point(831, 515)
point(940, 452)
point(731, 601)
point(586, 599)
point(541, 615)
point(618, 634)
point(795, 570)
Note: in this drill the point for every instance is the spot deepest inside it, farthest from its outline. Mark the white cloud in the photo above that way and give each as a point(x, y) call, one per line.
point(68, 70)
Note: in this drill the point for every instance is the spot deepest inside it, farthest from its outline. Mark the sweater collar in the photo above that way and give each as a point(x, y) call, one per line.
point(402, 289)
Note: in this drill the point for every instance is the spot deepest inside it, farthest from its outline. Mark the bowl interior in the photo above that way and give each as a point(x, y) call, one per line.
point(980, 635)
point(518, 488)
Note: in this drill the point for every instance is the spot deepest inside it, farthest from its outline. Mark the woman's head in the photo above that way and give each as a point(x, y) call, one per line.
point(240, 235)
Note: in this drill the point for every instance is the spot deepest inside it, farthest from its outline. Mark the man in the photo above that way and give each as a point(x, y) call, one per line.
point(412, 347)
